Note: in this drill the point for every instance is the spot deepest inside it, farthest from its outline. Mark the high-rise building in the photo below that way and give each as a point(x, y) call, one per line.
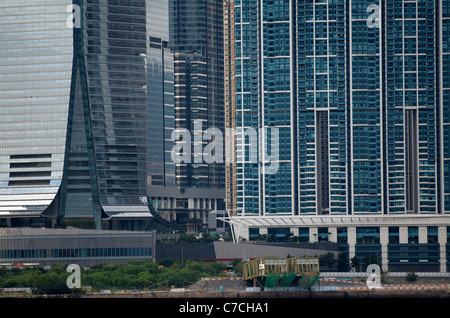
point(196, 40)
point(197, 47)
point(36, 63)
point(359, 92)
point(230, 105)
point(75, 98)
point(161, 115)
point(266, 89)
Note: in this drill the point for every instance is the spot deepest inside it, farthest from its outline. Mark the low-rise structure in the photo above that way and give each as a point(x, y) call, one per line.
point(74, 246)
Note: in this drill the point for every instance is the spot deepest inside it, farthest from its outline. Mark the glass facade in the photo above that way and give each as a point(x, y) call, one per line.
point(359, 91)
point(69, 253)
point(265, 90)
point(445, 102)
point(196, 41)
point(36, 56)
point(413, 108)
point(114, 48)
point(74, 246)
point(86, 109)
point(230, 104)
point(106, 156)
point(161, 116)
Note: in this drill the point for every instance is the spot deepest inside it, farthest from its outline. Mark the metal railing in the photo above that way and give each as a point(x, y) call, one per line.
point(264, 266)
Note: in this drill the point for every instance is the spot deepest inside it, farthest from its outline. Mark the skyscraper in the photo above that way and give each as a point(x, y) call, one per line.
point(265, 98)
point(359, 91)
point(161, 111)
point(230, 104)
point(196, 44)
point(196, 40)
point(74, 112)
point(36, 62)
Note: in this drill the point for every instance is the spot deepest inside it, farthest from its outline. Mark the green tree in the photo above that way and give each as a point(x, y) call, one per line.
point(411, 277)
point(166, 262)
point(188, 238)
point(327, 259)
point(342, 263)
point(237, 266)
point(135, 274)
point(354, 263)
point(12, 281)
point(52, 283)
point(371, 259)
point(58, 268)
point(30, 277)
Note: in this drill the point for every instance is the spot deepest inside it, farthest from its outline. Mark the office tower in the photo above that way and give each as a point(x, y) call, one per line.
point(196, 44)
point(74, 109)
point(161, 116)
point(35, 85)
point(196, 41)
point(230, 106)
point(359, 91)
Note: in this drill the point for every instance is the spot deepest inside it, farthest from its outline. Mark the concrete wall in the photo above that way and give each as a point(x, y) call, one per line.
point(225, 250)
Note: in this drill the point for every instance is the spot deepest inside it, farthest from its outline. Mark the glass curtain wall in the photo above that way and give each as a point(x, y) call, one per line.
point(36, 56)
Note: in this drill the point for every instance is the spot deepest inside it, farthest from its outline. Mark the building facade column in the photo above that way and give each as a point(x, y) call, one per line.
point(241, 232)
point(332, 234)
point(423, 235)
point(403, 235)
point(263, 231)
point(294, 231)
point(351, 240)
point(442, 239)
point(384, 241)
point(313, 235)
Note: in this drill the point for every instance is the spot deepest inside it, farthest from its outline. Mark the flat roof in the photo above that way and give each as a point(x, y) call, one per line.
point(338, 220)
point(7, 232)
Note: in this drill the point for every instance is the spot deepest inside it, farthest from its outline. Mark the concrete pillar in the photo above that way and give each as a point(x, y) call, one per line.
point(263, 231)
point(442, 239)
point(403, 235)
point(384, 240)
point(313, 235)
point(423, 235)
point(294, 231)
point(351, 240)
point(332, 234)
point(191, 204)
point(245, 233)
point(241, 232)
point(204, 216)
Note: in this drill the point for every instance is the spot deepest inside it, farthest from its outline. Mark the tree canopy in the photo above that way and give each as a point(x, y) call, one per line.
point(137, 275)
